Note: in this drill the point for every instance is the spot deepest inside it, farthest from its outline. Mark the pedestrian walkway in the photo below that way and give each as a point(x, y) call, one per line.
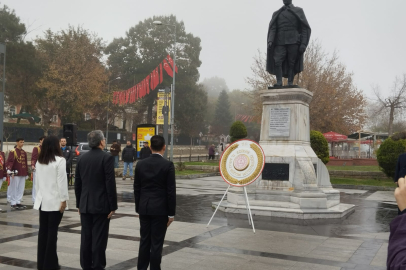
point(359, 242)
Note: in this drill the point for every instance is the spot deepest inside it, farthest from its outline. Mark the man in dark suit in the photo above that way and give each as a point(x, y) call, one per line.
point(68, 155)
point(155, 202)
point(96, 200)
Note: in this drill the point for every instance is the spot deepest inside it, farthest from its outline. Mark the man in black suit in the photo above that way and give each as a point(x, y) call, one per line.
point(96, 200)
point(68, 154)
point(155, 202)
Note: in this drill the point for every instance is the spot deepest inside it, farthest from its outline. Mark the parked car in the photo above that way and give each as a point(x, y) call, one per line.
point(81, 148)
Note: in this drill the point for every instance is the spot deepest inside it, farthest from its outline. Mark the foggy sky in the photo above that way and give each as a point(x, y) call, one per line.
point(369, 34)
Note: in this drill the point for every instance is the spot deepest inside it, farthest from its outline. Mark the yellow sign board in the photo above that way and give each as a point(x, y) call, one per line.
point(162, 97)
point(144, 134)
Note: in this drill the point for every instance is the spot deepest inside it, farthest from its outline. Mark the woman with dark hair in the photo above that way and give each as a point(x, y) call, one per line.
point(51, 200)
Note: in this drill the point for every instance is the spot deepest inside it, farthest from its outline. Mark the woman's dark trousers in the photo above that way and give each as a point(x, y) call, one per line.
point(47, 257)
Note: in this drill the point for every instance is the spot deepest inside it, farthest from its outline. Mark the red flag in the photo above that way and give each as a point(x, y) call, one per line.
point(122, 98)
point(144, 86)
point(132, 97)
point(168, 68)
point(156, 78)
point(152, 77)
point(127, 96)
point(161, 77)
point(142, 90)
point(147, 83)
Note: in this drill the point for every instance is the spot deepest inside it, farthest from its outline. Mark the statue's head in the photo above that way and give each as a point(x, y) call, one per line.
point(287, 2)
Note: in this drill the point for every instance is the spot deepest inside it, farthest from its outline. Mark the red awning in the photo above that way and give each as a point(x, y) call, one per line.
point(334, 137)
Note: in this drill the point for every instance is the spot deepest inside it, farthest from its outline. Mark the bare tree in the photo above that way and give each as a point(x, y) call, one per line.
point(7, 133)
point(393, 102)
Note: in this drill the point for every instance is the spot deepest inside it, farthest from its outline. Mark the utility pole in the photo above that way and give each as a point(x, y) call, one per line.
point(165, 111)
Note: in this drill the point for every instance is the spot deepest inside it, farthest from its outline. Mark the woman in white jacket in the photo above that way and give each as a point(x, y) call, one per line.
point(51, 200)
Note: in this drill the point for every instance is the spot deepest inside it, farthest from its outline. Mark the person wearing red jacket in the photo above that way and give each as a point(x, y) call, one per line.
point(34, 158)
point(3, 172)
point(17, 161)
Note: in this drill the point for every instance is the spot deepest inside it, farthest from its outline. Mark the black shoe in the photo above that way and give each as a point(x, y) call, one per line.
point(278, 74)
point(14, 207)
point(291, 76)
point(20, 206)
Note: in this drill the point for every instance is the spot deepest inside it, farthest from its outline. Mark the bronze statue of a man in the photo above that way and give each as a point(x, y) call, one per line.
point(288, 37)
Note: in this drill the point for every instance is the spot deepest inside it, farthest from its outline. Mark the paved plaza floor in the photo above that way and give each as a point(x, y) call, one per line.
point(359, 242)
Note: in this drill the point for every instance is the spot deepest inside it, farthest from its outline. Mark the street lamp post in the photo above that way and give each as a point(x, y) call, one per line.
point(173, 84)
point(108, 107)
point(235, 112)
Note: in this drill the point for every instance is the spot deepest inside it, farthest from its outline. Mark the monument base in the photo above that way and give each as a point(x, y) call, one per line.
point(289, 215)
point(322, 205)
point(295, 183)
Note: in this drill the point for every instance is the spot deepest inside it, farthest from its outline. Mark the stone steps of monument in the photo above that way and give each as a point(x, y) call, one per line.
point(274, 204)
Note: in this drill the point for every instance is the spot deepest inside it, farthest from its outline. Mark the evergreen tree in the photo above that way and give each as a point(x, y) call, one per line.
point(238, 131)
point(223, 119)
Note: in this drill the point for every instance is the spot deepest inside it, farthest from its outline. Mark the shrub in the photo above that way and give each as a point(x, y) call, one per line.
point(320, 146)
point(389, 152)
point(180, 166)
point(399, 136)
point(238, 131)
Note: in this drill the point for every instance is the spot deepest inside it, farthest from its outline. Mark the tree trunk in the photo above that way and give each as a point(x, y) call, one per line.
point(391, 117)
point(149, 113)
point(190, 150)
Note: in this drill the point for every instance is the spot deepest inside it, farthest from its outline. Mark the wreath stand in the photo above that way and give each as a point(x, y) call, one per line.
point(247, 204)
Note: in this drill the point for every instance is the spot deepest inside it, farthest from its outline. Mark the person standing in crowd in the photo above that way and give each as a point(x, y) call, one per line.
point(145, 151)
point(155, 202)
point(3, 171)
point(68, 154)
point(115, 151)
point(34, 157)
point(396, 258)
point(129, 155)
point(119, 145)
point(211, 152)
point(9, 191)
point(51, 185)
point(17, 160)
point(400, 170)
point(96, 200)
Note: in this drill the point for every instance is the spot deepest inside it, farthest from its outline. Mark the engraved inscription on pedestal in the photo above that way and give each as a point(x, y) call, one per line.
point(279, 124)
point(276, 171)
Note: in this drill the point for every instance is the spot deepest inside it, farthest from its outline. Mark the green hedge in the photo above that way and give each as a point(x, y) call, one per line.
point(320, 146)
point(389, 152)
point(238, 131)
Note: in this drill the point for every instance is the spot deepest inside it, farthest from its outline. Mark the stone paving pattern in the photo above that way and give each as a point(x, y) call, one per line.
point(359, 242)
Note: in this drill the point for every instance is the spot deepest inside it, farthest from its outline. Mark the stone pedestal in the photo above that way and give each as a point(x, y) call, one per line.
point(295, 183)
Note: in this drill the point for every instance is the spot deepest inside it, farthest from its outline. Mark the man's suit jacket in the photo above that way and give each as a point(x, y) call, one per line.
point(400, 170)
point(95, 183)
point(155, 187)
